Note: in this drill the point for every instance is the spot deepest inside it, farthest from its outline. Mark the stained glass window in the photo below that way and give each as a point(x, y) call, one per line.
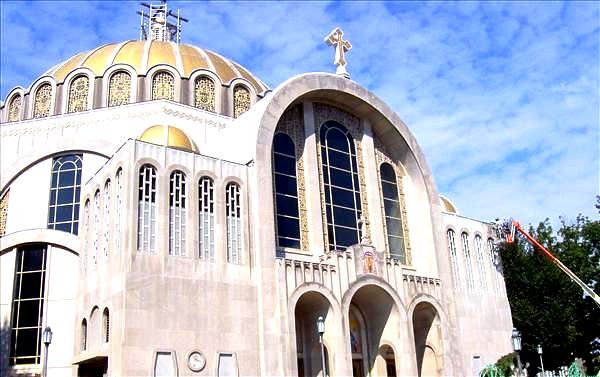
point(393, 214)
point(3, 212)
point(204, 94)
point(286, 191)
point(234, 223)
point(206, 218)
point(78, 95)
point(14, 108)
point(42, 102)
point(65, 188)
point(147, 209)
point(119, 89)
point(177, 213)
point(241, 100)
point(163, 86)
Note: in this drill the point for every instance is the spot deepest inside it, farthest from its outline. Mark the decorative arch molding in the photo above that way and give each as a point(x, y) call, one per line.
point(218, 88)
point(16, 91)
point(23, 162)
point(152, 72)
point(373, 280)
point(107, 75)
point(315, 288)
point(425, 298)
point(66, 87)
point(64, 240)
point(33, 91)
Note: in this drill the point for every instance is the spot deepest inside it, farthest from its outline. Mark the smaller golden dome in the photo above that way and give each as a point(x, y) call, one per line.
point(448, 205)
point(169, 136)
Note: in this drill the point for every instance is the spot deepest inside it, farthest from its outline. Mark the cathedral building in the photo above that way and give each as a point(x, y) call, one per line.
point(165, 213)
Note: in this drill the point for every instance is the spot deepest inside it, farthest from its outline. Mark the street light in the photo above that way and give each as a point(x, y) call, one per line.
point(516, 341)
point(539, 349)
point(321, 331)
point(47, 339)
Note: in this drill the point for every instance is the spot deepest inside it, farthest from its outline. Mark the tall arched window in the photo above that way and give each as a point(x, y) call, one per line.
point(393, 213)
point(83, 345)
point(468, 263)
point(494, 263)
point(286, 191)
point(96, 229)
point(65, 187)
point(118, 206)
point(14, 108)
point(105, 326)
point(42, 101)
point(86, 241)
point(177, 213)
point(78, 95)
point(106, 219)
point(204, 94)
point(206, 218)
point(119, 89)
point(241, 100)
point(146, 209)
point(454, 259)
point(4, 212)
point(94, 328)
point(28, 305)
point(233, 209)
point(163, 86)
point(341, 185)
point(480, 262)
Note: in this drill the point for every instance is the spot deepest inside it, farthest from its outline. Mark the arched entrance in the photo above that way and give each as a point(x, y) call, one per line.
point(309, 307)
point(428, 339)
point(373, 317)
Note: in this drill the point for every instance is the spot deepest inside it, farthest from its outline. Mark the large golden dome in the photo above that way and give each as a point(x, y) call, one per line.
point(143, 55)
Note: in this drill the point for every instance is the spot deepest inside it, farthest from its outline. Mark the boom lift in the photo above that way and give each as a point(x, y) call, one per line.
point(508, 230)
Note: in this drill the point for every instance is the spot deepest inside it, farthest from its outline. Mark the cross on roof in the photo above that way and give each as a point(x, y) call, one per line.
point(335, 38)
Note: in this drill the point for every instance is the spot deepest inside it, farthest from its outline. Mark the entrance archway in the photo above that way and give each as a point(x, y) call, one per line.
point(373, 316)
point(309, 307)
point(428, 339)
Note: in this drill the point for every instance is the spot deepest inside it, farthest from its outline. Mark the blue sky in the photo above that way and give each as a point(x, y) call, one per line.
point(502, 96)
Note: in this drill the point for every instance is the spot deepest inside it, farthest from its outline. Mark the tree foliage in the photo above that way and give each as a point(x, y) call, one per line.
point(547, 307)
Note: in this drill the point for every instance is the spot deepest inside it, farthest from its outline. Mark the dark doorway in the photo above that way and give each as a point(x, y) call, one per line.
point(95, 367)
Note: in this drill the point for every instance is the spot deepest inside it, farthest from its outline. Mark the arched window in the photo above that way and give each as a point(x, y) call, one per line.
point(233, 209)
point(206, 218)
point(94, 328)
point(27, 305)
point(65, 187)
point(453, 259)
point(106, 218)
point(468, 263)
point(494, 264)
point(163, 86)
point(241, 100)
point(341, 185)
point(177, 213)
point(393, 213)
point(118, 206)
point(96, 229)
point(286, 191)
point(480, 262)
point(86, 241)
point(146, 209)
point(204, 94)
point(4, 212)
point(78, 95)
point(14, 108)
point(83, 335)
point(43, 100)
point(105, 326)
point(119, 89)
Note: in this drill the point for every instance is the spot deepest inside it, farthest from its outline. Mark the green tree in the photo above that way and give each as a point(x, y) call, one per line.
point(547, 307)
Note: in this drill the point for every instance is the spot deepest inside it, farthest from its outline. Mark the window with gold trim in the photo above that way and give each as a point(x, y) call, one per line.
point(119, 89)
point(42, 102)
point(204, 94)
point(163, 86)
point(392, 212)
point(3, 213)
point(78, 95)
point(241, 100)
point(14, 108)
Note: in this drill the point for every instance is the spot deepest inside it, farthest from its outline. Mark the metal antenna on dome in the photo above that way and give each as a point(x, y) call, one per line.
point(155, 24)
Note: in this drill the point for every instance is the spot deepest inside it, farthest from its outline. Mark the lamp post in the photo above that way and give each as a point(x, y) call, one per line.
point(47, 339)
point(321, 330)
point(516, 341)
point(539, 349)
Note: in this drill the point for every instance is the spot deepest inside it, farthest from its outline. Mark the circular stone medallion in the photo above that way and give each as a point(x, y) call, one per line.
point(196, 361)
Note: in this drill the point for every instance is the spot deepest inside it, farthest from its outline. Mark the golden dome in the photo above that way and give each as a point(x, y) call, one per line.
point(169, 136)
point(143, 55)
point(448, 205)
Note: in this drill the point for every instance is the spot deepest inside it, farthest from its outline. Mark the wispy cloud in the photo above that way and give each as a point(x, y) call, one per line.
point(502, 96)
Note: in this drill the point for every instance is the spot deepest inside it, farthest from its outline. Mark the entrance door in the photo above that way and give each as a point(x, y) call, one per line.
point(97, 367)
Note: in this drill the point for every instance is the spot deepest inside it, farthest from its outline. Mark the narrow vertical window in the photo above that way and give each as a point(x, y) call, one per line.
point(177, 213)
point(42, 101)
point(392, 212)
point(27, 305)
point(106, 218)
point(341, 185)
point(206, 218)
point(165, 364)
point(494, 264)
point(146, 209)
point(119, 89)
point(454, 259)
point(86, 241)
point(65, 188)
point(78, 95)
point(118, 209)
point(3, 212)
point(241, 100)
point(163, 86)
point(83, 345)
point(234, 223)
point(227, 365)
point(480, 262)
point(105, 326)
point(204, 94)
point(14, 108)
point(286, 192)
point(468, 262)
point(96, 230)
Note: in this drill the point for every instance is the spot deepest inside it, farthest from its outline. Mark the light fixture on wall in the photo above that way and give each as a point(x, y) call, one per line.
point(321, 331)
point(47, 339)
point(516, 341)
point(540, 351)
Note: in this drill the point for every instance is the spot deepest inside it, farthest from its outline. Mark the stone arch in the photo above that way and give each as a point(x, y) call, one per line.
point(67, 241)
point(427, 324)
